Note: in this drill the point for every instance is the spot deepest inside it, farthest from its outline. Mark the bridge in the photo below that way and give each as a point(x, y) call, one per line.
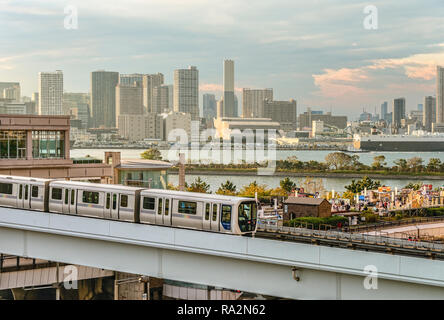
point(287, 269)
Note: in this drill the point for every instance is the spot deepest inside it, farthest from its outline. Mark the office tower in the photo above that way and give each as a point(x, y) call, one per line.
point(209, 106)
point(229, 107)
point(129, 79)
point(186, 91)
point(150, 81)
point(398, 112)
point(220, 108)
point(439, 94)
point(51, 93)
point(384, 110)
point(420, 107)
point(160, 99)
point(253, 102)
point(10, 91)
point(429, 113)
point(129, 100)
point(284, 112)
point(170, 97)
point(103, 98)
point(176, 120)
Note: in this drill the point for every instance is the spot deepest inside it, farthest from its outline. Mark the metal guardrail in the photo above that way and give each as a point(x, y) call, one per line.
point(388, 224)
point(381, 240)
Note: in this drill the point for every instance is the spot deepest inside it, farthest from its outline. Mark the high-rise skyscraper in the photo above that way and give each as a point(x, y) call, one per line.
point(429, 113)
point(129, 79)
point(253, 102)
point(439, 94)
point(398, 112)
point(129, 100)
point(186, 91)
point(229, 107)
point(150, 81)
point(209, 106)
point(103, 98)
point(161, 98)
point(10, 90)
point(384, 110)
point(51, 93)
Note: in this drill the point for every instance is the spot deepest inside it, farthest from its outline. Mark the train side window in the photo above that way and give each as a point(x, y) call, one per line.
point(123, 200)
point(149, 203)
point(56, 194)
point(73, 196)
point(167, 206)
point(26, 191)
point(159, 207)
point(20, 191)
point(187, 207)
point(90, 197)
point(35, 191)
point(207, 211)
point(66, 196)
point(6, 188)
point(114, 201)
point(214, 212)
point(226, 214)
point(108, 200)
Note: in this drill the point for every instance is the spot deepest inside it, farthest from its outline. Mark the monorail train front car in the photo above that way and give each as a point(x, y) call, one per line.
point(209, 212)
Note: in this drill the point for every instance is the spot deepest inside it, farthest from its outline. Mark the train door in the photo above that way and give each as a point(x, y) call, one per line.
point(115, 206)
point(73, 201)
point(24, 199)
point(215, 217)
point(69, 201)
point(207, 216)
point(107, 207)
point(160, 209)
point(167, 212)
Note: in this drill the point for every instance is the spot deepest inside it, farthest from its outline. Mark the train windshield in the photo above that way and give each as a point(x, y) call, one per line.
point(247, 215)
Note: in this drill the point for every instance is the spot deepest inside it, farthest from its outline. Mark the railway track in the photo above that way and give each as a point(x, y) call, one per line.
point(382, 244)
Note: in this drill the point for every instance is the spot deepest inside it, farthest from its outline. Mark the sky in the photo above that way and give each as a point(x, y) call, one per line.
point(319, 52)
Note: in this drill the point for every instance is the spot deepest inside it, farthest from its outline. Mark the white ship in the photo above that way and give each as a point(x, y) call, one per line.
point(418, 141)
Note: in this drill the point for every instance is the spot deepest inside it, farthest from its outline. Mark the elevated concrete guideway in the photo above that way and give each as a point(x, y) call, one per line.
point(248, 264)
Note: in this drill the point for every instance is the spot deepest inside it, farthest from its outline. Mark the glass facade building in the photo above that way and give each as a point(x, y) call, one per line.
point(48, 144)
point(12, 144)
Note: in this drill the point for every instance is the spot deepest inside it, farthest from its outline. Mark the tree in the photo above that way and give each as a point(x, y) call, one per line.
point(227, 188)
point(401, 164)
point(251, 189)
point(434, 164)
point(339, 160)
point(415, 163)
point(151, 154)
point(199, 186)
point(414, 186)
point(170, 186)
point(361, 185)
point(378, 162)
point(287, 185)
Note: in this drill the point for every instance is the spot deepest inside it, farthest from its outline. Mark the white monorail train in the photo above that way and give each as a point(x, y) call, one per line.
point(209, 212)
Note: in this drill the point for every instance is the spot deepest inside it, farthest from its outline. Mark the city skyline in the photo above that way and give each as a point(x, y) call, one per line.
point(323, 61)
